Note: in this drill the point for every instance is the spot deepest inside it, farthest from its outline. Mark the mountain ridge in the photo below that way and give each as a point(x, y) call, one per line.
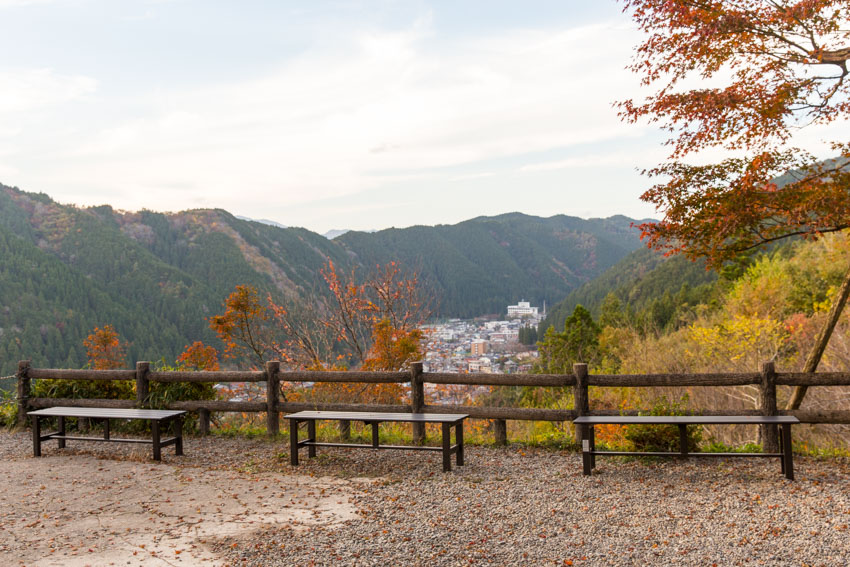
point(157, 277)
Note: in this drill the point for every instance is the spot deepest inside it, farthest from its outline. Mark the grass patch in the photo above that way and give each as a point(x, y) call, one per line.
point(718, 447)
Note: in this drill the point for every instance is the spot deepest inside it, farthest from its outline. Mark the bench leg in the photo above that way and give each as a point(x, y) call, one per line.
point(293, 442)
point(586, 462)
point(447, 446)
point(36, 436)
point(106, 429)
point(157, 449)
point(375, 439)
point(61, 432)
point(782, 453)
point(311, 433)
point(787, 457)
point(178, 435)
point(683, 441)
point(591, 435)
point(459, 438)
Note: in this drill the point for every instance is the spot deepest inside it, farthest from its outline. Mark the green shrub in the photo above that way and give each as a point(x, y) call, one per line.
point(8, 409)
point(85, 389)
point(160, 394)
point(719, 447)
point(657, 438)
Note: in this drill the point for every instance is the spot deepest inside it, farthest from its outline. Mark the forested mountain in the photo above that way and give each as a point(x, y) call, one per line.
point(478, 266)
point(158, 277)
point(649, 285)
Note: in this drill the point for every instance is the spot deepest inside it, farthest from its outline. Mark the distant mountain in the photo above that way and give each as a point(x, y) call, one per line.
point(262, 221)
point(481, 265)
point(331, 234)
point(158, 277)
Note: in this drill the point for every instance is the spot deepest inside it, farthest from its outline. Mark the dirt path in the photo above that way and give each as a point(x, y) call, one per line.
point(78, 509)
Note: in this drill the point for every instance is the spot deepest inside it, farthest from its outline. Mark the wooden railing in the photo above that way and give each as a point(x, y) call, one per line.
point(766, 381)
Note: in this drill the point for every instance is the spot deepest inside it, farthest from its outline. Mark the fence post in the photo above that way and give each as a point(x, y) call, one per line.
point(24, 391)
point(272, 397)
point(417, 400)
point(500, 430)
point(204, 421)
point(142, 383)
point(768, 433)
point(344, 429)
point(580, 398)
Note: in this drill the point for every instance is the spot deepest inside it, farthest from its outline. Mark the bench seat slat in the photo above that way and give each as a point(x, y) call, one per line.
point(687, 420)
point(370, 446)
point(162, 443)
point(107, 413)
point(377, 416)
point(677, 454)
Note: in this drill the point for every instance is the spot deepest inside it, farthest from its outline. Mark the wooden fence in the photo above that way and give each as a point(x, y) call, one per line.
point(766, 381)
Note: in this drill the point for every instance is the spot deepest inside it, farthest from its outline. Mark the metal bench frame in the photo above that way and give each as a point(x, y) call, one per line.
point(159, 421)
point(374, 419)
point(589, 452)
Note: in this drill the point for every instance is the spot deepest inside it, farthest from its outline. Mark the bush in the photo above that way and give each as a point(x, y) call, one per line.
point(8, 409)
point(85, 389)
point(159, 396)
point(652, 438)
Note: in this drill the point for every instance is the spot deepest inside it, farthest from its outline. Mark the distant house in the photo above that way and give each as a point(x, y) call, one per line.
point(478, 347)
point(482, 365)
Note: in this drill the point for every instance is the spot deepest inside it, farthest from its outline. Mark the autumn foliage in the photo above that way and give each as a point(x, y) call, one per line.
point(392, 349)
point(243, 327)
point(743, 75)
point(198, 356)
point(105, 349)
point(377, 321)
point(370, 324)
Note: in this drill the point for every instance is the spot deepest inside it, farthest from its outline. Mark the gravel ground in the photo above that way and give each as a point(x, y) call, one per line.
point(520, 506)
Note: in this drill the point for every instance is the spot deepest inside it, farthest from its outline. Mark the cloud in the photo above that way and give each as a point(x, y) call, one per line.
point(22, 3)
point(359, 111)
point(473, 176)
point(631, 158)
point(365, 111)
point(28, 89)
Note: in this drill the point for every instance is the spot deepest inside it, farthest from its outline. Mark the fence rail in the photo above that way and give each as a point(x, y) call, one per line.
point(766, 380)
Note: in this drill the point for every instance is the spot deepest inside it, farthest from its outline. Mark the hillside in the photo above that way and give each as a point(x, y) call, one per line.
point(157, 277)
point(649, 284)
point(481, 265)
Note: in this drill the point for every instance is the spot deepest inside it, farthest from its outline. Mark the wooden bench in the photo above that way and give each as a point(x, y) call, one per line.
point(446, 420)
point(589, 452)
point(159, 421)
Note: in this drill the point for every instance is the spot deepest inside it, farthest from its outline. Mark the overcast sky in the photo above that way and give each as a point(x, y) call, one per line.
point(361, 114)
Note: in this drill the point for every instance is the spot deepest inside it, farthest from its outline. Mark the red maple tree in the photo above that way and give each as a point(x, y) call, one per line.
point(763, 69)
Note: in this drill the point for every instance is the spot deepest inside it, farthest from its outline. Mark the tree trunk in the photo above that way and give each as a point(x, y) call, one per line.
point(822, 340)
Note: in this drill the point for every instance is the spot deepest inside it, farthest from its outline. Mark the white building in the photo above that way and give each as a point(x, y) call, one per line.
point(522, 309)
